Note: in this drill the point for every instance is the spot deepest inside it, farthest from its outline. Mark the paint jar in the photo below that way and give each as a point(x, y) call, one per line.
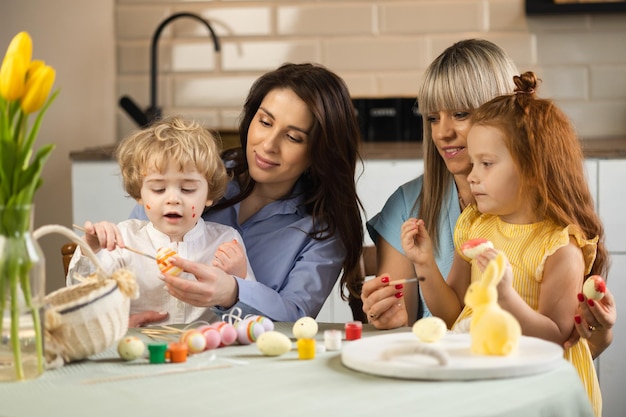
point(332, 339)
point(353, 330)
point(157, 352)
point(306, 348)
point(177, 352)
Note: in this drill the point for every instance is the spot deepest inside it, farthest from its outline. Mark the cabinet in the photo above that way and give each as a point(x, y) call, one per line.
point(376, 180)
point(612, 209)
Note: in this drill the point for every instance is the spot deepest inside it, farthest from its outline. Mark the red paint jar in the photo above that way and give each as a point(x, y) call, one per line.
point(353, 330)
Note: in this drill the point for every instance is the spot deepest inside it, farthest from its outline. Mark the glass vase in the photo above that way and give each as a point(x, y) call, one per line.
point(22, 291)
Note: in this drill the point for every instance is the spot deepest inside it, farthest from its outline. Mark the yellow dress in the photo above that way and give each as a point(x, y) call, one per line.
point(527, 247)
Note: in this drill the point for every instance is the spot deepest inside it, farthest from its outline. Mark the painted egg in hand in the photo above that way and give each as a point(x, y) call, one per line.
point(163, 258)
point(594, 287)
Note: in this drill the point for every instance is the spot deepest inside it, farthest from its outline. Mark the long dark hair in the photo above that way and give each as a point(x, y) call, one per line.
point(330, 195)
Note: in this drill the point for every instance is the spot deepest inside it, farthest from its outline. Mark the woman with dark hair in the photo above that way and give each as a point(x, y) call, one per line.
point(292, 198)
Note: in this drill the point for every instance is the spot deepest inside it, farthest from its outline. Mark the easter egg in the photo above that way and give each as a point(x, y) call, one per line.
point(305, 328)
point(474, 247)
point(194, 340)
point(227, 332)
point(272, 343)
point(594, 287)
point(267, 324)
point(131, 348)
point(248, 331)
point(163, 258)
point(211, 335)
point(429, 329)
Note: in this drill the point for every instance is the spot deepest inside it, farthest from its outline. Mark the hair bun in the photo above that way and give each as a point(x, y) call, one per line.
point(525, 83)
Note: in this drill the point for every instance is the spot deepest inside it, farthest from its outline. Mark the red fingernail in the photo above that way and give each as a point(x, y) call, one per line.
point(581, 297)
point(399, 294)
point(577, 319)
point(399, 286)
point(590, 302)
point(385, 279)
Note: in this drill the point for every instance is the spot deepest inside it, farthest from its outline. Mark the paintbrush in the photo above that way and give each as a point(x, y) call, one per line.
point(138, 252)
point(406, 280)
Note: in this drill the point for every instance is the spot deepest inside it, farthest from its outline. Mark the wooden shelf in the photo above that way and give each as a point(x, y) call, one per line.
point(549, 7)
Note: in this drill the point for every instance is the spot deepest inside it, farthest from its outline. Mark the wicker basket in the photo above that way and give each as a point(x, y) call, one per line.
point(84, 319)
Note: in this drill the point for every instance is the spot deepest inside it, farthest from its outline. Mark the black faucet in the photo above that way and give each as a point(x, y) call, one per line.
point(153, 112)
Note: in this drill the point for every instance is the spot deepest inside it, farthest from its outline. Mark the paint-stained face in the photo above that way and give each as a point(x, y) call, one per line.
point(174, 200)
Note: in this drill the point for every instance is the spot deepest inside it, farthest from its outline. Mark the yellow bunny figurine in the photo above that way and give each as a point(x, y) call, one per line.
point(493, 331)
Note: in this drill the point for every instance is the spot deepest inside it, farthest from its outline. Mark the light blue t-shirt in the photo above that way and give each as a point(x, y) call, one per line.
point(400, 206)
point(295, 273)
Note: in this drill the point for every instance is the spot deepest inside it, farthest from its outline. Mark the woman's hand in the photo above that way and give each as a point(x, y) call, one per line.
point(383, 304)
point(230, 258)
point(213, 287)
point(594, 321)
point(102, 235)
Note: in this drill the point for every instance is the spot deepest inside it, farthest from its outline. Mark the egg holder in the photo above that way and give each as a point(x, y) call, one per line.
point(84, 319)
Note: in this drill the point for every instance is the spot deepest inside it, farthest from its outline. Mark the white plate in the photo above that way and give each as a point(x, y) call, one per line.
point(366, 355)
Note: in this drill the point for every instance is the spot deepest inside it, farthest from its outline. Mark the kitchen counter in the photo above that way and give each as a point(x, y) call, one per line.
point(609, 148)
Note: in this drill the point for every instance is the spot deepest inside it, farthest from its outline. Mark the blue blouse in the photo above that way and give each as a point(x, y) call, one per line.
point(400, 207)
point(295, 273)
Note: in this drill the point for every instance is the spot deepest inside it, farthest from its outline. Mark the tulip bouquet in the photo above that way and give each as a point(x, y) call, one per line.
point(25, 87)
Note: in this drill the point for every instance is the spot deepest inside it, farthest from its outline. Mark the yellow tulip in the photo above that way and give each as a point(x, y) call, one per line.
point(21, 45)
point(12, 77)
point(34, 65)
point(38, 86)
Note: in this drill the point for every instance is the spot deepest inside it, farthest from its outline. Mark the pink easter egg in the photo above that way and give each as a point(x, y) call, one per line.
point(195, 341)
point(227, 332)
point(212, 336)
point(248, 331)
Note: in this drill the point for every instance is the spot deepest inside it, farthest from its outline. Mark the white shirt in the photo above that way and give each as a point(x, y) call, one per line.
point(199, 245)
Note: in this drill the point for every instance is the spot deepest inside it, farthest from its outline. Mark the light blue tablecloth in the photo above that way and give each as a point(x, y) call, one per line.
point(238, 380)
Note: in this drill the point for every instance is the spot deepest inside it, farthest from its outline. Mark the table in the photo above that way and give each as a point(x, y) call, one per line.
point(238, 380)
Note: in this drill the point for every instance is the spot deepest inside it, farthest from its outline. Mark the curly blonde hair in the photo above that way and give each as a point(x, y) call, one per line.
point(173, 139)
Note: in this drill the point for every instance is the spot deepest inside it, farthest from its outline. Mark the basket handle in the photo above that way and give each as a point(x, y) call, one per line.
point(56, 228)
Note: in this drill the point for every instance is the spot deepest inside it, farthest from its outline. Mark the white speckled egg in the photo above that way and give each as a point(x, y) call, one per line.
point(305, 328)
point(429, 329)
point(273, 343)
point(131, 348)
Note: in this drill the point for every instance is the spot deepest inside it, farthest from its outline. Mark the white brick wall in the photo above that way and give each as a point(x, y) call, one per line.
point(380, 47)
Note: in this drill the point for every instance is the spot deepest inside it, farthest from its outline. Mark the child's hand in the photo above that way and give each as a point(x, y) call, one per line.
point(506, 283)
point(416, 242)
point(230, 258)
point(102, 235)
